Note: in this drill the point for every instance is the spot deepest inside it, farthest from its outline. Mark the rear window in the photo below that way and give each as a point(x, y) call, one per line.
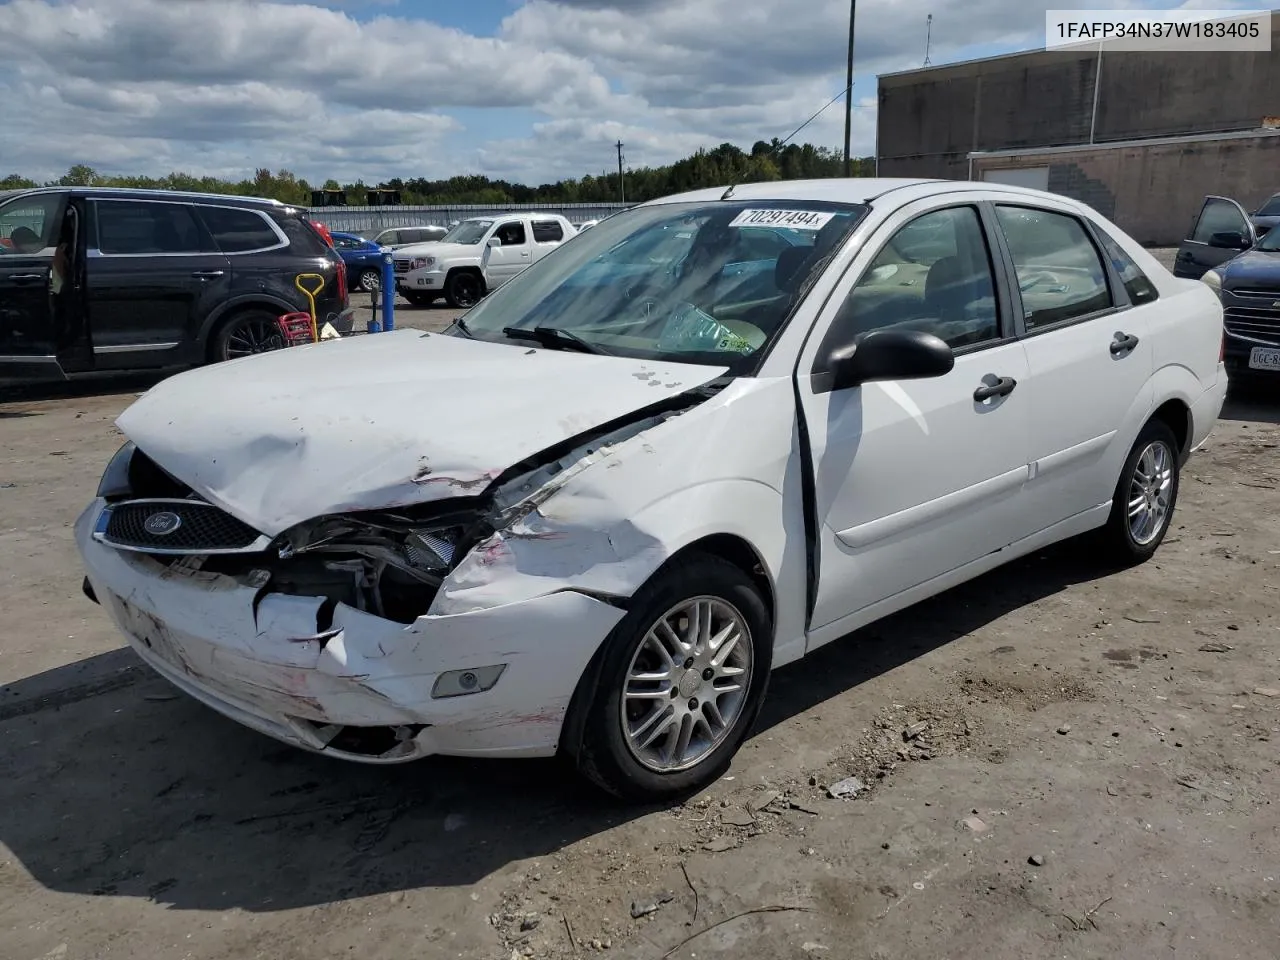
point(139, 227)
point(303, 239)
point(547, 231)
point(239, 231)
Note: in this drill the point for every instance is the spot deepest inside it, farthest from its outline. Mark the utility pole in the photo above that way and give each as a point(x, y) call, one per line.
point(848, 95)
point(928, 38)
point(622, 187)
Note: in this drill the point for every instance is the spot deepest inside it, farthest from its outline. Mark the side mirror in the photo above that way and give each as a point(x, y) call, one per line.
point(494, 242)
point(889, 355)
point(1230, 240)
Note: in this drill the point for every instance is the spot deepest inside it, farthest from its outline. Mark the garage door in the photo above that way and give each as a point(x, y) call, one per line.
point(1037, 178)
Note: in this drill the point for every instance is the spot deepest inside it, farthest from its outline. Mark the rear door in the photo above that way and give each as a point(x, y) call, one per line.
point(154, 274)
point(43, 333)
point(547, 235)
point(1221, 230)
point(1089, 355)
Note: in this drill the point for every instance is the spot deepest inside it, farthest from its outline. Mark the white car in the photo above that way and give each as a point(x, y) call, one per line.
point(397, 237)
point(714, 433)
point(476, 256)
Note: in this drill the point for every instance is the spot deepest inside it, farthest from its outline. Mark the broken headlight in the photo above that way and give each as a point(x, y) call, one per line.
point(115, 482)
point(424, 550)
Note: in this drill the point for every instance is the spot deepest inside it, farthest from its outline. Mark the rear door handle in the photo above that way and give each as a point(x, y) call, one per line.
point(208, 274)
point(26, 277)
point(1185, 255)
point(1123, 343)
point(1001, 388)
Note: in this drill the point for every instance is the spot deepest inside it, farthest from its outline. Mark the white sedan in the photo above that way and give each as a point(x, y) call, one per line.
point(591, 517)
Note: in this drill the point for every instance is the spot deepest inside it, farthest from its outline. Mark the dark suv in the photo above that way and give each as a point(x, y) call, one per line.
point(99, 279)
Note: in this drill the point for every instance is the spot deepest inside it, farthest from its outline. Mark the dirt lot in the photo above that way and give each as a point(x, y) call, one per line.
point(1057, 762)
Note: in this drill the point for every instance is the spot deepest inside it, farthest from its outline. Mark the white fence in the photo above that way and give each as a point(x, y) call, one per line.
point(371, 219)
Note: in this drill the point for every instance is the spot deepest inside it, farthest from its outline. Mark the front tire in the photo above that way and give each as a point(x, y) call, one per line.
point(463, 289)
point(370, 280)
point(680, 682)
point(1144, 499)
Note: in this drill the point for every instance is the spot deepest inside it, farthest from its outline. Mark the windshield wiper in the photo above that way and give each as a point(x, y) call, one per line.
point(553, 337)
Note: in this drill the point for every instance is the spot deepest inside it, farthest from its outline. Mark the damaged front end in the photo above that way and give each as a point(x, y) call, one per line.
point(389, 562)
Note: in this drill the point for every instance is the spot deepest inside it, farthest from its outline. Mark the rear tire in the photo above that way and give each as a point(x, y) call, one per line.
point(370, 280)
point(634, 688)
point(244, 334)
point(1144, 499)
point(463, 289)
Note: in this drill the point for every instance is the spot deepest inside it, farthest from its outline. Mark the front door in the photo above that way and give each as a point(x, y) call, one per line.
point(153, 273)
point(916, 478)
point(43, 333)
point(513, 253)
point(1090, 354)
point(1221, 231)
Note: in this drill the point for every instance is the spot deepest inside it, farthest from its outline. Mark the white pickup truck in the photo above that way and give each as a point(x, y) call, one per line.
point(476, 256)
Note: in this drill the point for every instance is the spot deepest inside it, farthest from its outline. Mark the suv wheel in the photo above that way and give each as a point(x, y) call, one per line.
point(464, 289)
point(370, 280)
point(244, 334)
point(679, 684)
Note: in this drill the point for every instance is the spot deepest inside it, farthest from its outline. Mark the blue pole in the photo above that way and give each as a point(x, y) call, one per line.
point(388, 290)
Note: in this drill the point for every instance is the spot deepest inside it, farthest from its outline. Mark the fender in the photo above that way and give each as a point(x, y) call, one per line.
point(235, 303)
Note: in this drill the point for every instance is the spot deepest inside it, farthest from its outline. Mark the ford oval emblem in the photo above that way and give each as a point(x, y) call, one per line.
point(162, 524)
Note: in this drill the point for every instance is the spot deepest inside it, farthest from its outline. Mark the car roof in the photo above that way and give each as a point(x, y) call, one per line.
point(130, 193)
point(847, 190)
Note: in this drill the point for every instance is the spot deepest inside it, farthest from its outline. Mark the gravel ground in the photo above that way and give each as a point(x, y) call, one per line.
point(1054, 761)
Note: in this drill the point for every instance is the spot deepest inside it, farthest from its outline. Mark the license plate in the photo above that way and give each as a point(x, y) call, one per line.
point(1264, 358)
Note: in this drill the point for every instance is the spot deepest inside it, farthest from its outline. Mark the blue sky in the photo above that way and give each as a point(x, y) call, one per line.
point(528, 90)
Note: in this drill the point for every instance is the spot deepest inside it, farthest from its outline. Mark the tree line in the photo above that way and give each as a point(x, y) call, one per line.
point(706, 168)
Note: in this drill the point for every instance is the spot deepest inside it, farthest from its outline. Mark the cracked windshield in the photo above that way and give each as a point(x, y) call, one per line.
point(695, 282)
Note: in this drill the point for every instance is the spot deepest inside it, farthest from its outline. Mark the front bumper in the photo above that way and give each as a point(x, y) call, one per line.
point(361, 688)
point(1238, 351)
point(422, 279)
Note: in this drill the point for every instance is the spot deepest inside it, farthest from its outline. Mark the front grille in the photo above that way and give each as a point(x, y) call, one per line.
point(1256, 323)
point(402, 266)
point(1255, 293)
point(149, 526)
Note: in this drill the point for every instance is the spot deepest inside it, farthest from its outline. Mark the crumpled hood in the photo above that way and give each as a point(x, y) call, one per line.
point(379, 421)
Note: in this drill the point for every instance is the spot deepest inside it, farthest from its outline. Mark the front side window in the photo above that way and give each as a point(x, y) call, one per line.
point(511, 234)
point(670, 281)
point(238, 231)
point(547, 231)
point(29, 225)
point(1217, 216)
point(1136, 283)
point(134, 227)
point(1059, 271)
point(468, 232)
point(933, 275)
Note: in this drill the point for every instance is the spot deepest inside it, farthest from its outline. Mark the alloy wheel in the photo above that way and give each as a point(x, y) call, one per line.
point(1150, 489)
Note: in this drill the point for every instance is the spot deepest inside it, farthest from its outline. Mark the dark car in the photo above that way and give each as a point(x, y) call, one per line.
point(99, 279)
point(1267, 215)
point(1224, 251)
point(363, 259)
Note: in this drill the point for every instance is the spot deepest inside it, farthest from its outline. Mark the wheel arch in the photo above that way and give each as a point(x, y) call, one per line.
point(258, 301)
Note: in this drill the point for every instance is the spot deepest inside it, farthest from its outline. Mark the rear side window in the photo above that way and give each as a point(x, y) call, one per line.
point(547, 231)
point(1060, 273)
point(130, 227)
point(238, 231)
point(303, 240)
point(1140, 289)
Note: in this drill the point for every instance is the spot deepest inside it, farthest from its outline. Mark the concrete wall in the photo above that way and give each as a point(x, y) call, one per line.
point(930, 119)
point(1153, 191)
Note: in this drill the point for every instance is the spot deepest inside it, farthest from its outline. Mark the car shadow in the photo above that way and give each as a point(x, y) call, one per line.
point(1252, 402)
point(118, 785)
point(87, 385)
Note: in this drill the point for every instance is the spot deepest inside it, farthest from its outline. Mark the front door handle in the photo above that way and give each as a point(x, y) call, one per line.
point(1001, 388)
point(26, 277)
point(1123, 343)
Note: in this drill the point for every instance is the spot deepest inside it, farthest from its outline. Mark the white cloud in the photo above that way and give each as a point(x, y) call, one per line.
point(363, 89)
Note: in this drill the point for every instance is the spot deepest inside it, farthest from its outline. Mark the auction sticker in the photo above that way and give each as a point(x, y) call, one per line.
point(794, 219)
